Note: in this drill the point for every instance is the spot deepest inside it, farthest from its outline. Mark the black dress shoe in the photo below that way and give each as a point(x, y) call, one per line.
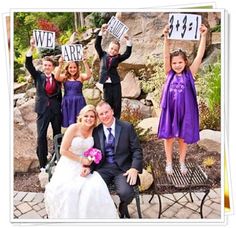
point(123, 209)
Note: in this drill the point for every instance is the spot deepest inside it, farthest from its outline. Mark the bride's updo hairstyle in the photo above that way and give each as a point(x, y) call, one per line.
point(84, 110)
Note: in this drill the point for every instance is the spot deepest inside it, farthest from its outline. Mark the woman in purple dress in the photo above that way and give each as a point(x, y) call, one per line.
point(73, 100)
point(179, 117)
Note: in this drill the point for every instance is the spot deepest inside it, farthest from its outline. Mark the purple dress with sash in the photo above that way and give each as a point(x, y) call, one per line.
point(179, 117)
point(72, 102)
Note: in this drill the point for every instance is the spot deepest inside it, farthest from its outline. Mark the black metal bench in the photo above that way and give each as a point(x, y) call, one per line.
point(56, 156)
point(194, 181)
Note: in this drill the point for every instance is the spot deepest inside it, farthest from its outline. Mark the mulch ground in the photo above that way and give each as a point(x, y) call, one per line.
point(29, 182)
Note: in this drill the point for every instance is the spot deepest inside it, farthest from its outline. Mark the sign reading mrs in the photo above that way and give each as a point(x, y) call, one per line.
point(72, 52)
point(44, 39)
point(116, 27)
point(184, 26)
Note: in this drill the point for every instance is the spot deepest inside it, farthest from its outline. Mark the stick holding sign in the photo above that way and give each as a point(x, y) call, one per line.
point(184, 26)
point(72, 52)
point(44, 39)
point(116, 27)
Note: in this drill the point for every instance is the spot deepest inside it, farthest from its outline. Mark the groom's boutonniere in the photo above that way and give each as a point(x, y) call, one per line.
point(93, 154)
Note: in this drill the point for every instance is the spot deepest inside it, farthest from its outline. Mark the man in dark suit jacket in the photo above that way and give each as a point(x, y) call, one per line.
point(47, 102)
point(109, 76)
point(122, 158)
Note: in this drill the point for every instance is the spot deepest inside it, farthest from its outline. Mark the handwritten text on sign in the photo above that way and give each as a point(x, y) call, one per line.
point(116, 28)
point(44, 39)
point(184, 26)
point(72, 52)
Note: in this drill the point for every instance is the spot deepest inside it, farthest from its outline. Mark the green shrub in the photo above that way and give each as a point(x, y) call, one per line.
point(134, 116)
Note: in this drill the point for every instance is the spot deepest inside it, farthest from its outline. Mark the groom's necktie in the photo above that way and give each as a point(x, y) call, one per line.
point(109, 146)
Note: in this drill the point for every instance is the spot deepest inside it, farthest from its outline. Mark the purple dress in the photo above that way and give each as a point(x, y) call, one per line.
point(72, 102)
point(179, 117)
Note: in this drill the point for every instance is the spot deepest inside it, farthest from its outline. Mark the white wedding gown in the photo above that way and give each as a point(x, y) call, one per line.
point(68, 195)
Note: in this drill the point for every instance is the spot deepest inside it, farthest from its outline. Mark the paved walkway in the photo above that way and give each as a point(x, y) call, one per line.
point(30, 205)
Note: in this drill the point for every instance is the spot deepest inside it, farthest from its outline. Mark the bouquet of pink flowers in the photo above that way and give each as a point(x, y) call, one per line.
point(93, 154)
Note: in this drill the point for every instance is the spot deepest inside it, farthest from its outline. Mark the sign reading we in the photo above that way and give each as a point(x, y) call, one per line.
point(44, 39)
point(116, 27)
point(184, 26)
point(73, 52)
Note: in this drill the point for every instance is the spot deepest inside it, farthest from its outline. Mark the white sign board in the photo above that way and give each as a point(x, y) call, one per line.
point(44, 39)
point(116, 27)
point(184, 26)
point(72, 52)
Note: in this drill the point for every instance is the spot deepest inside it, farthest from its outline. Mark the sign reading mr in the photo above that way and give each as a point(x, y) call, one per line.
point(44, 39)
point(116, 27)
point(184, 26)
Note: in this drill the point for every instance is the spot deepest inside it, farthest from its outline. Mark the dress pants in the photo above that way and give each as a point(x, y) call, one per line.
point(111, 172)
point(112, 95)
point(43, 121)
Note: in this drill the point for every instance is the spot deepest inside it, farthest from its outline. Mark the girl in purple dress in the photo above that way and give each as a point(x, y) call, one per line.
point(73, 100)
point(179, 117)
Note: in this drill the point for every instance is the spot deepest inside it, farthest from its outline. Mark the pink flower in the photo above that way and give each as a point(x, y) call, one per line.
point(93, 154)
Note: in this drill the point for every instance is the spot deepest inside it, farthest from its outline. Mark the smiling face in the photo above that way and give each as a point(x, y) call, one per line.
point(88, 119)
point(72, 68)
point(105, 114)
point(178, 64)
point(113, 49)
point(48, 67)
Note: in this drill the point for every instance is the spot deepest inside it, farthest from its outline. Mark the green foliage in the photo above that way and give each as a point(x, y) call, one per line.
point(17, 70)
point(153, 77)
point(217, 28)
point(209, 119)
point(97, 20)
point(21, 78)
point(134, 116)
point(209, 91)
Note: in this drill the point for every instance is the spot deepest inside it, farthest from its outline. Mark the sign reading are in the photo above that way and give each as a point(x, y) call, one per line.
point(116, 27)
point(44, 39)
point(184, 26)
point(72, 52)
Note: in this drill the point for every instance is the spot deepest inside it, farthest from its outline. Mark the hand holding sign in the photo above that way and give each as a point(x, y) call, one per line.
point(184, 26)
point(116, 28)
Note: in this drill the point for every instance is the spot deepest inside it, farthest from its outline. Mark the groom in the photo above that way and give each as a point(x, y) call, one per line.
point(122, 155)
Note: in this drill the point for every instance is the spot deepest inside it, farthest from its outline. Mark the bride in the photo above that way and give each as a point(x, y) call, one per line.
point(72, 193)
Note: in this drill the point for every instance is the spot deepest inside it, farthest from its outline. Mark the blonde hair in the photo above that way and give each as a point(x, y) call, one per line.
point(84, 110)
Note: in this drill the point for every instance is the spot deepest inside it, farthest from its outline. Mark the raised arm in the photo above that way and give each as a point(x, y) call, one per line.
point(88, 73)
point(29, 59)
point(128, 50)
point(58, 75)
point(166, 50)
point(201, 50)
point(98, 41)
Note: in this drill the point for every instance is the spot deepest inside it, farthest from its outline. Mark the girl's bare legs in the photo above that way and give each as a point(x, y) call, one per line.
point(168, 143)
point(182, 156)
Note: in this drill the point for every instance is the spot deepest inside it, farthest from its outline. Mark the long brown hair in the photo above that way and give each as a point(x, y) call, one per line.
point(181, 53)
point(68, 75)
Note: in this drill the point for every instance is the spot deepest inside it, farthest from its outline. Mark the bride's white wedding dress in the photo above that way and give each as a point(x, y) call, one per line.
point(68, 195)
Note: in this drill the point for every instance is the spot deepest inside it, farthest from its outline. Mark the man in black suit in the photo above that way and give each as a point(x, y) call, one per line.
point(109, 76)
point(47, 102)
point(122, 158)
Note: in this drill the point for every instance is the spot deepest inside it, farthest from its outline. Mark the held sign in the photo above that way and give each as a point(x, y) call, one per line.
point(184, 26)
point(72, 52)
point(44, 39)
point(116, 27)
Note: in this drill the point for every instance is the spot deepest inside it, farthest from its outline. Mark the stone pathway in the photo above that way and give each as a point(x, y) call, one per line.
point(30, 205)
